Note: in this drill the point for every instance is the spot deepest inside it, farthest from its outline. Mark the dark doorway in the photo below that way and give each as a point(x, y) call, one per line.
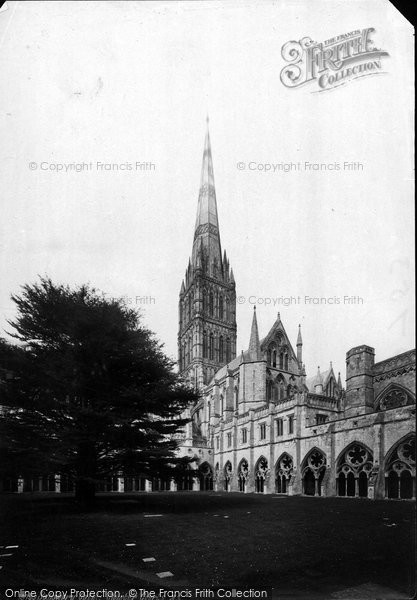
point(363, 484)
point(392, 485)
point(406, 485)
point(350, 485)
point(341, 486)
point(309, 483)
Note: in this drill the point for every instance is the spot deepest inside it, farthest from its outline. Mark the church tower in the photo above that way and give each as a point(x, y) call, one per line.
point(207, 303)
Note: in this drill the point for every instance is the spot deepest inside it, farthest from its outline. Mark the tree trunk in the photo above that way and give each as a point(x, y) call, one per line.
point(85, 493)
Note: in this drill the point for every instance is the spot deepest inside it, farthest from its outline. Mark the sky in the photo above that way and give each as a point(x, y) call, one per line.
point(131, 83)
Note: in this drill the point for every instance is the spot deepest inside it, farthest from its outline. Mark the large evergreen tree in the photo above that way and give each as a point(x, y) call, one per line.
point(92, 393)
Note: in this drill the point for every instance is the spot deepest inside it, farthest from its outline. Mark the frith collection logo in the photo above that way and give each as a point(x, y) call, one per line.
point(333, 62)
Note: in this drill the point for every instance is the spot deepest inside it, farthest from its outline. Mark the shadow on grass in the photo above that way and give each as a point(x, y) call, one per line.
point(303, 543)
point(175, 503)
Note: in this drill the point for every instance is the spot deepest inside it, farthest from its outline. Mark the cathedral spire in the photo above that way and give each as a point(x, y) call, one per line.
point(207, 302)
point(299, 346)
point(254, 346)
point(207, 222)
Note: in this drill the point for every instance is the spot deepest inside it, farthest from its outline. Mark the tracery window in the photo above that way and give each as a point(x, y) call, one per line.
point(283, 471)
point(353, 470)
point(206, 477)
point(400, 470)
point(394, 397)
point(242, 474)
point(228, 473)
point(261, 473)
point(313, 470)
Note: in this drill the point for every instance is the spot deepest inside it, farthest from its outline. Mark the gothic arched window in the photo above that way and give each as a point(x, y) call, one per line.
point(330, 388)
point(313, 470)
point(268, 357)
point(221, 349)
point(283, 471)
point(281, 360)
point(274, 358)
point(261, 473)
point(228, 350)
point(190, 307)
point(269, 388)
point(242, 473)
point(353, 469)
point(286, 361)
point(211, 304)
point(236, 397)
point(228, 472)
point(227, 309)
point(211, 347)
point(221, 308)
point(393, 396)
point(190, 349)
point(400, 470)
point(281, 388)
point(204, 344)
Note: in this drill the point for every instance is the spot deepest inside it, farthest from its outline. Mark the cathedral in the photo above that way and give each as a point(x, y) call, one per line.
point(261, 425)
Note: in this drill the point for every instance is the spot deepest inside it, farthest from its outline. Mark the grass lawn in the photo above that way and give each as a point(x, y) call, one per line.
point(302, 547)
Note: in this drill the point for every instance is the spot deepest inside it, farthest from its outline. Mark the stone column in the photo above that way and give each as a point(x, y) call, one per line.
point(290, 482)
point(120, 484)
point(316, 485)
point(20, 483)
point(173, 485)
point(58, 484)
point(196, 484)
point(148, 486)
